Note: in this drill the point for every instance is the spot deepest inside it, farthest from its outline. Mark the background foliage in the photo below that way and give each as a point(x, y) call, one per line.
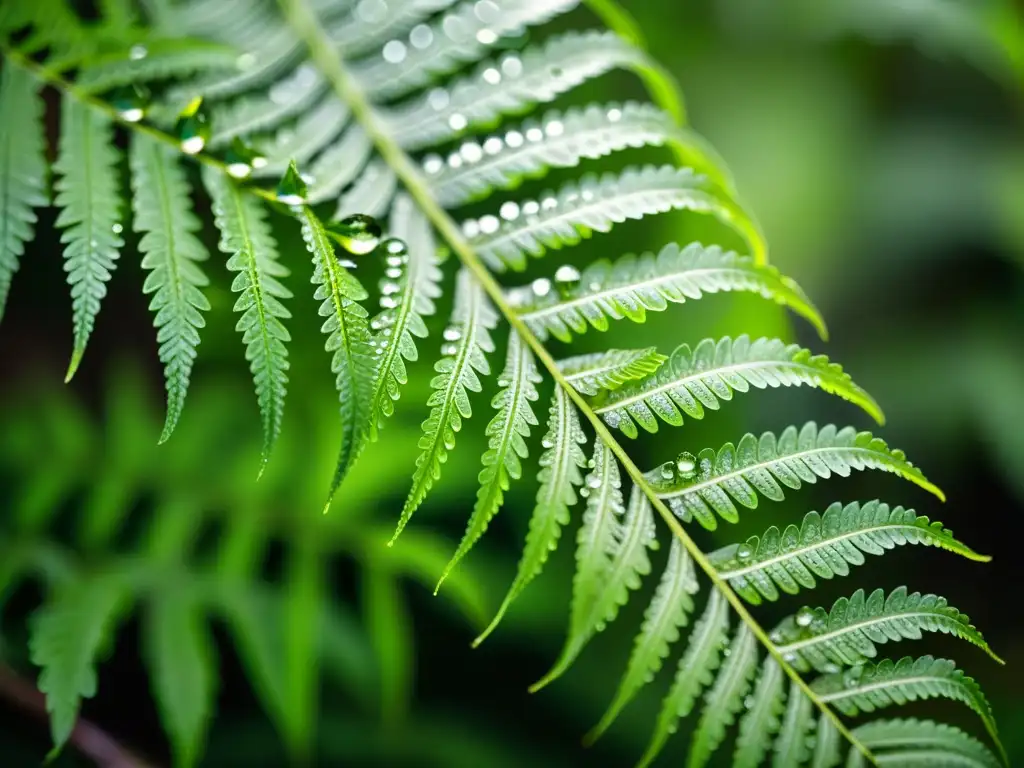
point(883, 156)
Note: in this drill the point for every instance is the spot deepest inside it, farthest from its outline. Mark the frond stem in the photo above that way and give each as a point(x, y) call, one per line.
point(324, 54)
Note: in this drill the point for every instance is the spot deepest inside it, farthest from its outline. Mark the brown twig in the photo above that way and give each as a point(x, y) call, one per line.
point(87, 738)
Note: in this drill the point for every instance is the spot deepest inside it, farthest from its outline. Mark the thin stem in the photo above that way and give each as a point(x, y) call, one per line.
point(324, 54)
point(89, 739)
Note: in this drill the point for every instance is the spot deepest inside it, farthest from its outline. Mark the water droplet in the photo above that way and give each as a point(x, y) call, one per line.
point(748, 702)
point(531, 208)
point(776, 636)
point(541, 287)
point(486, 37)
point(387, 287)
point(388, 302)
point(804, 616)
point(377, 323)
point(489, 224)
point(492, 76)
point(432, 164)
point(744, 552)
point(421, 36)
point(584, 492)
point(789, 658)
point(534, 134)
point(549, 203)
point(457, 122)
point(137, 52)
point(193, 127)
point(292, 190)
point(554, 128)
point(614, 115)
point(470, 228)
point(117, 229)
point(449, 349)
point(454, 160)
point(686, 464)
point(452, 334)
point(240, 159)
point(393, 273)
point(493, 145)
point(394, 52)
point(511, 66)
point(547, 442)
point(471, 152)
point(852, 676)
point(591, 463)
point(509, 210)
point(438, 99)
point(726, 653)
point(130, 102)
point(358, 234)
point(667, 471)
point(246, 61)
point(593, 481)
point(567, 277)
point(829, 668)
point(514, 139)
point(372, 11)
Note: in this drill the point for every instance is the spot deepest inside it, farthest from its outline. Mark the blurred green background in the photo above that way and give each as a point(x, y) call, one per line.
point(881, 145)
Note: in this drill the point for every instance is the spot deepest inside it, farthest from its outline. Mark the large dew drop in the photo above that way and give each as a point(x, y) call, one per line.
point(567, 277)
point(292, 189)
point(193, 127)
point(241, 159)
point(131, 102)
point(358, 234)
point(686, 465)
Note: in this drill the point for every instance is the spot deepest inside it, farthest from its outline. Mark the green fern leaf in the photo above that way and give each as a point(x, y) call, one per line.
point(348, 336)
point(868, 687)
point(539, 75)
point(700, 378)
point(666, 615)
point(179, 654)
point(362, 33)
point(89, 200)
point(559, 477)
point(246, 237)
point(313, 131)
point(849, 633)
point(341, 164)
point(508, 432)
point(163, 215)
point(162, 60)
point(791, 745)
point(826, 744)
point(725, 698)
point(562, 140)
point(371, 193)
point(590, 374)
point(402, 68)
point(591, 204)
point(611, 558)
point(22, 169)
point(696, 670)
point(825, 546)
point(464, 356)
point(401, 319)
point(923, 743)
point(633, 286)
point(762, 719)
point(763, 466)
point(68, 633)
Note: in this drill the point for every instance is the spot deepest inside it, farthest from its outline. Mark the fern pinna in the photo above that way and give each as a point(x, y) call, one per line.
point(407, 112)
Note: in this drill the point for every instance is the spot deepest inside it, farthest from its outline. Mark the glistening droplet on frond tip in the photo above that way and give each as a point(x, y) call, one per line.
point(131, 102)
point(358, 234)
point(292, 189)
point(193, 127)
point(241, 159)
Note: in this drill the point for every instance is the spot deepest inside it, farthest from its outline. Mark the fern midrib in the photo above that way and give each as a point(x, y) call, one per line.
point(303, 21)
point(700, 375)
point(824, 638)
point(739, 472)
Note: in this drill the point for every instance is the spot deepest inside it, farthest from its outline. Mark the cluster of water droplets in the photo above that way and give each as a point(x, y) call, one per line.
point(509, 67)
point(682, 468)
point(472, 152)
point(593, 481)
point(421, 37)
point(396, 257)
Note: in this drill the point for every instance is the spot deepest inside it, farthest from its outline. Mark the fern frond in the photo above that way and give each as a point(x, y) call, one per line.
point(401, 319)
point(763, 466)
point(539, 75)
point(300, 142)
point(762, 719)
point(666, 615)
point(849, 633)
point(508, 432)
point(791, 745)
point(68, 632)
point(611, 556)
point(591, 204)
point(246, 237)
point(347, 328)
point(825, 546)
point(913, 742)
point(464, 360)
point(462, 35)
point(89, 199)
point(179, 654)
point(172, 252)
point(633, 286)
point(22, 169)
point(725, 698)
point(701, 378)
point(590, 374)
point(696, 670)
point(560, 475)
point(868, 687)
point(561, 140)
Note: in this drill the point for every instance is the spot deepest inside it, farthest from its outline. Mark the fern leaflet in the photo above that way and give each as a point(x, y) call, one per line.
point(912, 742)
point(590, 374)
point(762, 720)
point(791, 745)
point(172, 251)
